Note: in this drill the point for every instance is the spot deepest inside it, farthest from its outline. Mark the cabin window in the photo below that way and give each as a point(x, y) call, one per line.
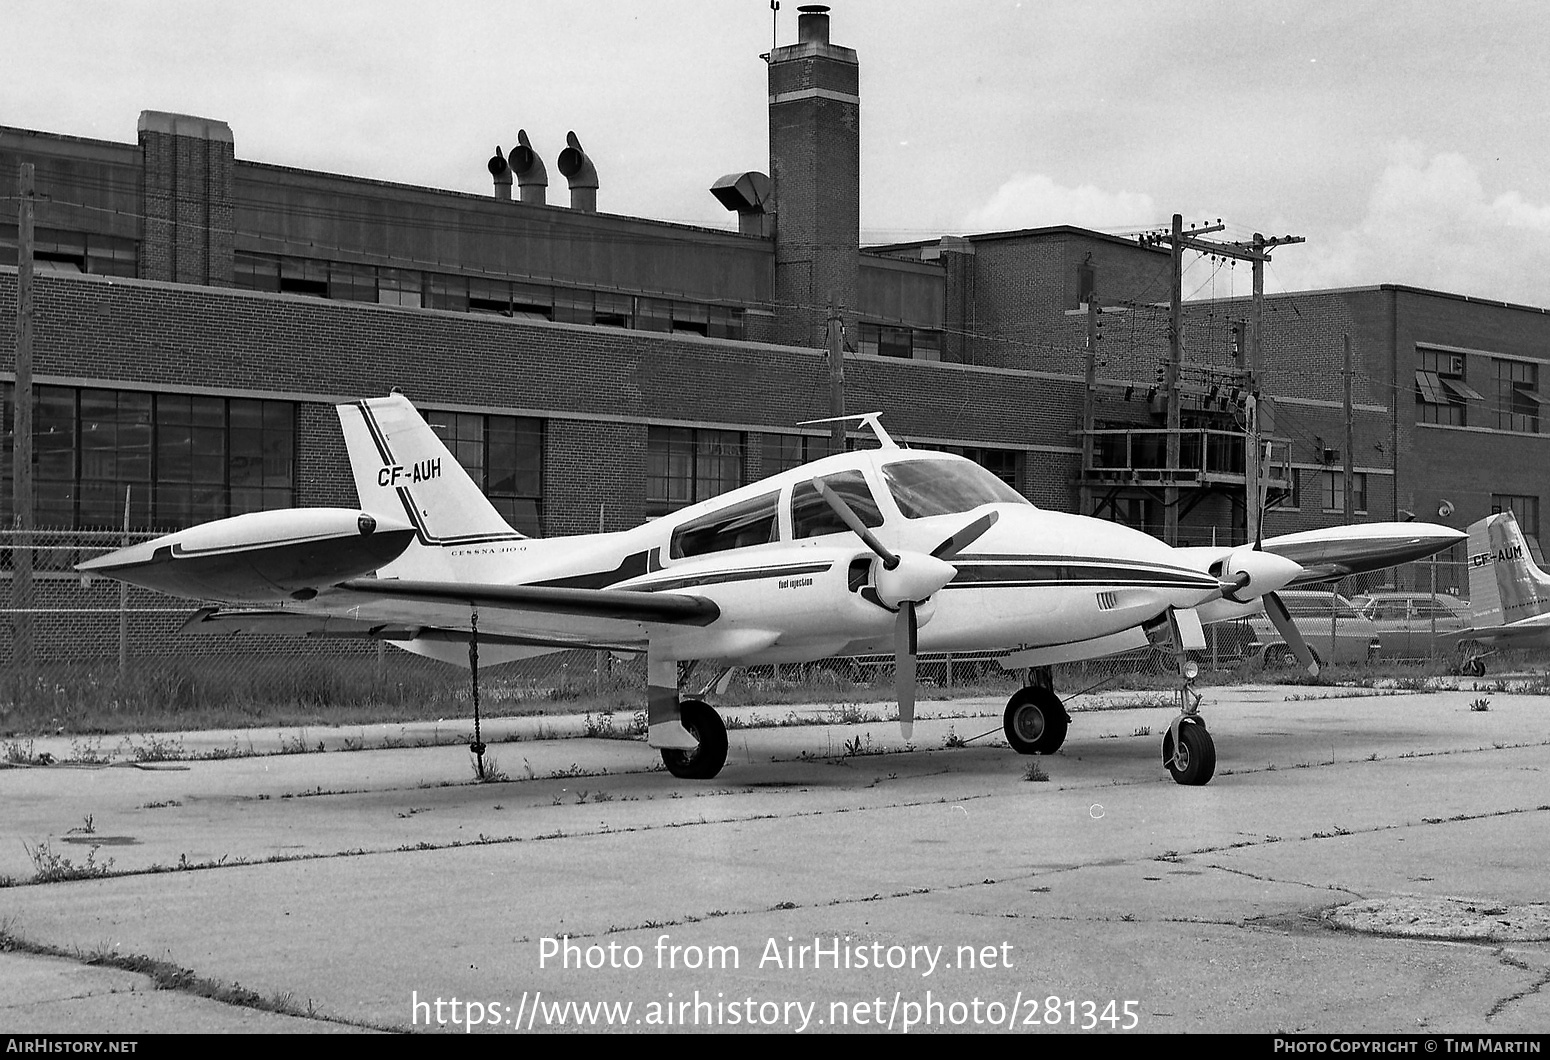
point(741, 525)
point(945, 487)
point(811, 515)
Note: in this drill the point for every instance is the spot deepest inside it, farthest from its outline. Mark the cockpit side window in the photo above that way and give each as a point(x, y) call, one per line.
point(750, 522)
point(944, 487)
point(811, 515)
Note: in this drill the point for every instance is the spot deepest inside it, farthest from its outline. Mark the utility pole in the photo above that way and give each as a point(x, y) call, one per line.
point(1089, 401)
point(1350, 450)
point(1171, 383)
point(836, 382)
point(21, 449)
point(1257, 252)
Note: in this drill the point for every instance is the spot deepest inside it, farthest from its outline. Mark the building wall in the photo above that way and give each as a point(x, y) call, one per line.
point(1467, 465)
point(596, 388)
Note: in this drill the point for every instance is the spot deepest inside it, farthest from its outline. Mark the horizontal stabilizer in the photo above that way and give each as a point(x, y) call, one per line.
point(260, 556)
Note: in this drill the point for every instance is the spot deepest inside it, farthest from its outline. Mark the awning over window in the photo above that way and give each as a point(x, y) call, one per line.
point(1431, 389)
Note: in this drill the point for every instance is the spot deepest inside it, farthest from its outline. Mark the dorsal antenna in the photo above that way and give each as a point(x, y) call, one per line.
point(872, 420)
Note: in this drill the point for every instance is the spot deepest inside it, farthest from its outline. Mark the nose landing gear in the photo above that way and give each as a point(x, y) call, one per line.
point(1187, 749)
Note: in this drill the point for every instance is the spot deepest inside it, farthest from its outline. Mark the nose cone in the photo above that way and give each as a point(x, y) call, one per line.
point(915, 578)
point(1250, 573)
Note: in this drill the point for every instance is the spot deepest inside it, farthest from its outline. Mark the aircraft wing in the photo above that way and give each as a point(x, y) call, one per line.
point(1336, 552)
point(526, 615)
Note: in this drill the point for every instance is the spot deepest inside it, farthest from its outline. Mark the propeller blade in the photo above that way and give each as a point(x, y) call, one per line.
point(904, 666)
point(851, 519)
point(965, 537)
point(1281, 618)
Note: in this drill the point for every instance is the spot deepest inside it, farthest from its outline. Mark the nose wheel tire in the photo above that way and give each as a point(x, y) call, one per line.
point(706, 760)
point(1194, 763)
point(1035, 722)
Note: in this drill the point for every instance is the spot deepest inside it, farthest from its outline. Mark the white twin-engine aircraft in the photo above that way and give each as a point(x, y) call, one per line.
point(879, 550)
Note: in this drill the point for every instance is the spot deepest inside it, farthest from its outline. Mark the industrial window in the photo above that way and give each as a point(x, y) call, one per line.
point(1442, 394)
point(726, 322)
point(488, 296)
point(447, 292)
point(177, 459)
point(304, 276)
point(685, 465)
point(692, 318)
point(534, 300)
point(574, 307)
point(653, 314)
point(782, 452)
point(888, 341)
point(741, 525)
point(1517, 396)
point(1525, 508)
point(1334, 491)
point(398, 287)
point(256, 272)
point(352, 283)
point(504, 457)
point(614, 310)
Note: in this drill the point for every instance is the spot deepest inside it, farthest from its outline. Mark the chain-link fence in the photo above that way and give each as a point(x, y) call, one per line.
point(100, 645)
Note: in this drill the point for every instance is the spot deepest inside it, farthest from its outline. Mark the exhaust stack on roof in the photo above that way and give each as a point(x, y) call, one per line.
point(502, 174)
point(532, 177)
point(578, 169)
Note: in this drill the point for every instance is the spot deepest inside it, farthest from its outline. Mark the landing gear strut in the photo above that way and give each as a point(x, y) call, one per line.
point(1187, 749)
point(704, 761)
point(1035, 721)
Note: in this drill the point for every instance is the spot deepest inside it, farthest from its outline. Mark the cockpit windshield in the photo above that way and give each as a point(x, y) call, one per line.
point(944, 487)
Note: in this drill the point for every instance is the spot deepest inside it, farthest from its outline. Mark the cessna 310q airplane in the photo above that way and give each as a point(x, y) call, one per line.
point(878, 550)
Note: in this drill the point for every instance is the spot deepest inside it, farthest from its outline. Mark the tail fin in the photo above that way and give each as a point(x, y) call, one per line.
point(1505, 584)
point(402, 469)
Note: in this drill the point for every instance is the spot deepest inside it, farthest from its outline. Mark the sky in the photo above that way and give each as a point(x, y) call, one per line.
point(1404, 141)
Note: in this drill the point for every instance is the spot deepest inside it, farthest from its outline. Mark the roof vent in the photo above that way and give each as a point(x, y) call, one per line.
point(532, 177)
point(578, 169)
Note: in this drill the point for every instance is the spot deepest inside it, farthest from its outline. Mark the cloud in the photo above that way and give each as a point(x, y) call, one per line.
point(1032, 200)
point(1430, 222)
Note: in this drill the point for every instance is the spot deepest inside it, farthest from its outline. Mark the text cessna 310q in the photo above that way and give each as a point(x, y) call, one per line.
point(878, 550)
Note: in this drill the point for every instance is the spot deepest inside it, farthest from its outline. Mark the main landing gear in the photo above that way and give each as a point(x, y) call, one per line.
point(1035, 721)
point(1187, 748)
point(705, 760)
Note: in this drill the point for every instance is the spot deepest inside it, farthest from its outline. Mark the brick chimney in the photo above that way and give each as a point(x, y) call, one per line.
point(187, 168)
point(815, 167)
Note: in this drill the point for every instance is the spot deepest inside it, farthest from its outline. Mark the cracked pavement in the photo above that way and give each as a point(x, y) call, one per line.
point(1326, 880)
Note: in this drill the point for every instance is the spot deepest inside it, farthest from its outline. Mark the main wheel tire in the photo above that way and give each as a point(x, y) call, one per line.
point(1035, 722)
point(706, 760)
point(1195, 762)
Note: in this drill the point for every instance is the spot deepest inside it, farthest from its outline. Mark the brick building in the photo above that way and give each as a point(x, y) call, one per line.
point(198, 314)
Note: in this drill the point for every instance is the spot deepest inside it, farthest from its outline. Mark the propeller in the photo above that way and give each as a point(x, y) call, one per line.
point(1282, 620)
point(1250, 571)
point(904, 580)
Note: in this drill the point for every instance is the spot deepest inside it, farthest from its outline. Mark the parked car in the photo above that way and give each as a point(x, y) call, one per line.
point(1316, 615)
point(1414, 625)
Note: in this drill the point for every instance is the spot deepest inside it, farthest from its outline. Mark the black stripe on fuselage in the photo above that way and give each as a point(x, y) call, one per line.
point(689, 581)
point(1025, 574)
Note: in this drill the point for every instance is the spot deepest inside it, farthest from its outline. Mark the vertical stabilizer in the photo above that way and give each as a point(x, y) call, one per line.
point(402, 469)
point(1505, 585)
